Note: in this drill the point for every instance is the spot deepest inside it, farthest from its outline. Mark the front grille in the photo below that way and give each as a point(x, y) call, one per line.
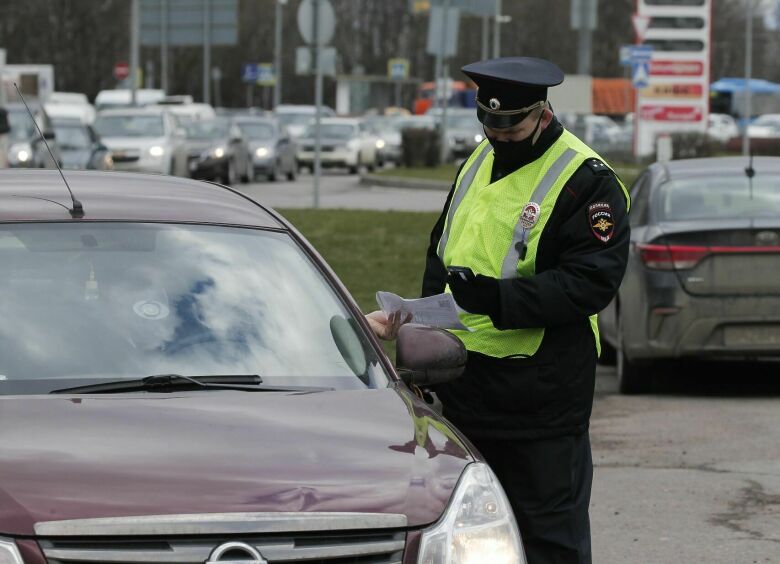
point(311, 538)
point(330, 548)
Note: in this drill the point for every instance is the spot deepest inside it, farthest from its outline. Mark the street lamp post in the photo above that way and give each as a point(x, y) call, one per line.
point(278, 52)
point(748, 72)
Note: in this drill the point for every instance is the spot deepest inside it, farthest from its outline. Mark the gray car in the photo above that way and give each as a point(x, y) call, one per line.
point(216, 149)
point(80, 146)
point(26, 149)
point(701, 281)
point(271, 149)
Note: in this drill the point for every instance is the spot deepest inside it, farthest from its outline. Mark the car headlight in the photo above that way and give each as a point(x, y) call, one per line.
point(478, 138)
point(478, 525)
point(156, 151)
point(218, 152)
point(261, 152)
point(380, 143)
point(20, 152)
point(9, 554)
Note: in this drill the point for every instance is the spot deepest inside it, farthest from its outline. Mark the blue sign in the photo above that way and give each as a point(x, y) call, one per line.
point(625, 55)
point(641, 54)
point(249, 72)
point(640, 74)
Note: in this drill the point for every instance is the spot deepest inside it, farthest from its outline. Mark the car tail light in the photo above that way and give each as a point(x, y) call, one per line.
point(683, 257)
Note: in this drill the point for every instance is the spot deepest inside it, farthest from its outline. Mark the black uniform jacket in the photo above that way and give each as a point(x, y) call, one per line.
point(577, 274)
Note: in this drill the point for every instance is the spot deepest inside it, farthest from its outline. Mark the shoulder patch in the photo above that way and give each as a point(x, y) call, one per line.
point(598, 167)
point(602, 224)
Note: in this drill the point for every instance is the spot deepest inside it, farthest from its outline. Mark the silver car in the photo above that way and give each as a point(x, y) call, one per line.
point(701, 281)
point(271, 149)
point(143, 140)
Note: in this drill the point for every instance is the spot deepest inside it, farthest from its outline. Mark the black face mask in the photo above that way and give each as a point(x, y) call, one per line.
point(515, 153)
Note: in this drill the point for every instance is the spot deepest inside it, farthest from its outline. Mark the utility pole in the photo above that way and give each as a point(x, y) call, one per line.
point(206, 51)
point(445, 78)
point(585, 39)
point(318, 103)
point(497, 31)
point(278, 52)
point(164, 45)
point(748, 72)
point(485, 37)
point(134, 52)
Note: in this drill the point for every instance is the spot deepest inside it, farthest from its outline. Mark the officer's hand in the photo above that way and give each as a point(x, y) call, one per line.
point(479, 295)
point(387, 326)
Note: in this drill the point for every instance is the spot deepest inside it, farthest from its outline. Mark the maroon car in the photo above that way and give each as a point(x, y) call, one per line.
point(184, 380)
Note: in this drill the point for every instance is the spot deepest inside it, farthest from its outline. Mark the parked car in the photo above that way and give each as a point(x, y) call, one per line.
point(722, 127)
point(598, 131)
point(183, 108)
point(66, 105)
point(272, 150)
point(765, 126)
point(122, 98)
point(345, 142)
point(144, 140)
point(701, 281)
point(184, 378)
point(80, 146)
point(5, 128)
point(26, 149)
point(296, 117)
point(464, 131)
point(388, 135)
point(216, 148)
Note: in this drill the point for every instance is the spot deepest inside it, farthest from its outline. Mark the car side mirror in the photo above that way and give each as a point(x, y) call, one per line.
point(428, 355)
point(49, 135)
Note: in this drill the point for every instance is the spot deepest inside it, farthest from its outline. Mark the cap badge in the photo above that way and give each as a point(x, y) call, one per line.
point(495, 104)
point(530, 215)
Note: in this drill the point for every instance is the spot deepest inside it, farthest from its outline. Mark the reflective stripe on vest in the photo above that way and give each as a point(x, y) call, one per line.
point(460, 192)
point(485, 232)
point(509, 267)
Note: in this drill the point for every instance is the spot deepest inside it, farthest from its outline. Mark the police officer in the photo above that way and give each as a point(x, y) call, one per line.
point(535, 236)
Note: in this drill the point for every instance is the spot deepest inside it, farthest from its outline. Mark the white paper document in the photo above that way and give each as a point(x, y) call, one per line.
point(438, 311)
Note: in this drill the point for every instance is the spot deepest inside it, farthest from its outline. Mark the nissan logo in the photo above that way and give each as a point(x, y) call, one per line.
point(236, 553)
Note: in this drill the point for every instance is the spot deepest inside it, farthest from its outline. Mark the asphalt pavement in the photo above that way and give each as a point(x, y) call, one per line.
point(689, 473)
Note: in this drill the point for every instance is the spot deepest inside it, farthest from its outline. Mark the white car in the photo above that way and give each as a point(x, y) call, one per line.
point(344, 142)
point(296, 117)
point(765, 127)
point(122, 98)
point(144, 140)
point(722, 127)
point(70, 105)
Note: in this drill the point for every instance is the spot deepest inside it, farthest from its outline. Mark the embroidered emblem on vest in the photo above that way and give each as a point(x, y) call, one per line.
point(601, 221)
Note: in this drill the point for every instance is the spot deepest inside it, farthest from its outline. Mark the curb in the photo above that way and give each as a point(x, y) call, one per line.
point(399, 182)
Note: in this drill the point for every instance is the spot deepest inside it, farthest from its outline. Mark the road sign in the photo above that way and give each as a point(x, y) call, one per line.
point(304, 61)
point(625, 55)
point(184, 21)
point(436, 25)
point(249, 73)
point(326, 21)
point(398, 69)
point(641, 54)
point(265, 74)
point(640, 74)
point(673, 91)
point(677, 68)
point(672, 113)
point(121, 70)
point(641, 23)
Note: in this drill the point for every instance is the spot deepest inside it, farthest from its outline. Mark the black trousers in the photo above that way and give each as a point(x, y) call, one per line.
point(548, 483)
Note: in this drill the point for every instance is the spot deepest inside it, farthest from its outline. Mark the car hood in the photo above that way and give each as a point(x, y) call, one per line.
point(75, 457)
point(140, 143)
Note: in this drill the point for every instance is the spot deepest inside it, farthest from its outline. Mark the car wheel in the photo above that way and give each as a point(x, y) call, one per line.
point(632, 378)
point(249, 172)
point(371, 167)
point(229, 174)
point(353, 169)
point(272, 173)
point(293, 172)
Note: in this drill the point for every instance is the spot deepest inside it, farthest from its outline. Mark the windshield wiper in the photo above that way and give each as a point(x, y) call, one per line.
point(177, 382)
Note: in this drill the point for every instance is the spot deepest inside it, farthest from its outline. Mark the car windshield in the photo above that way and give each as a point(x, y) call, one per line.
point(333, 131)
point(22, 126)
point(256, 130)
point(210, 129)
point(719, 197)
point(97, 302)
point(72, 137)
point(130, 126)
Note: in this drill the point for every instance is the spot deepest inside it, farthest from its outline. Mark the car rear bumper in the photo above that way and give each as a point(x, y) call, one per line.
point(746, 327)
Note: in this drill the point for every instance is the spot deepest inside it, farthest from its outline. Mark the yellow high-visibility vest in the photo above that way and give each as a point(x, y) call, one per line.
point(494, 228)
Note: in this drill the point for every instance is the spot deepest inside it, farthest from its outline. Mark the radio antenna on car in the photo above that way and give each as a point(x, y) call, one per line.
point(77, 210)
